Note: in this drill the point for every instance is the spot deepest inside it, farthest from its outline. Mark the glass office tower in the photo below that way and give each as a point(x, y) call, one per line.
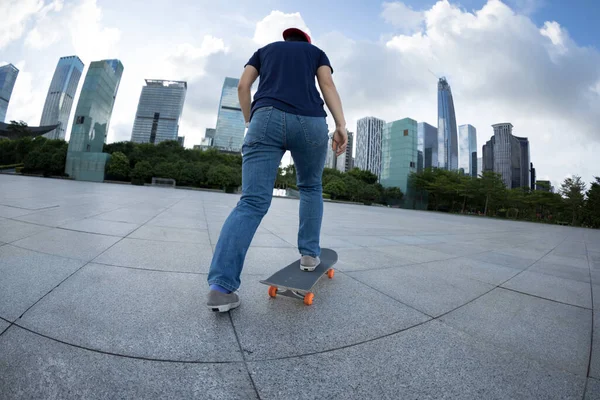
point(468, 149)
point(428, 144)
point(447, 133)
point(399, 153)
point(85, 160)
point(159, 110)
point(8, 77)
point(229, 133)
point(368, 144)
point(61, 95)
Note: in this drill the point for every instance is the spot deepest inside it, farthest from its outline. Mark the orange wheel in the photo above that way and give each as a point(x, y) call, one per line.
point(330, 273)
point(308, 298)
point(272, 291)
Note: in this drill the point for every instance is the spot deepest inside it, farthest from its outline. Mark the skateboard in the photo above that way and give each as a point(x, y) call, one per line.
point(291, 281)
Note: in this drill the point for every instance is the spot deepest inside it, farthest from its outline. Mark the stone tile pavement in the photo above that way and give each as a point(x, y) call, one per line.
point(103, 287)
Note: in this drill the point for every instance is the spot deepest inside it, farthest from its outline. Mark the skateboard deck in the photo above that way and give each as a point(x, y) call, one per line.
point(291, 281)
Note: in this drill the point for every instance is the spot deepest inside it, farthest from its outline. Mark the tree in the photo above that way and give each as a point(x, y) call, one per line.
point(593, 204)
point(392, 195)
point(166, 170)
point(492, 187)
point(118, 167)
point(364, 176)
point(336, 188)
point(368, 194)
point(224, 177)
point(572, 189)
point(18, 129)
point(353, 187)
point(142, 172)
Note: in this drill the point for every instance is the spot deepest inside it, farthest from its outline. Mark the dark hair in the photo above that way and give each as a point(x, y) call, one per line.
point(295, 37)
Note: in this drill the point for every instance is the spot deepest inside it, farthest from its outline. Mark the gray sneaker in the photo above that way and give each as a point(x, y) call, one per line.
point(222, 302)
point(308, 263)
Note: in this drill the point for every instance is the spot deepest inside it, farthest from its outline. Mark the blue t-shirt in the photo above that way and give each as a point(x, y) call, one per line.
point(287, 73)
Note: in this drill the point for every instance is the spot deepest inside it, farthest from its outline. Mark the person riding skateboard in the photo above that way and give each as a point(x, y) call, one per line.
point(286, 114)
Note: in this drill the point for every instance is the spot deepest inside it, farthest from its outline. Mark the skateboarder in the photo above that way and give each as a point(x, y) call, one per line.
point(286, 114)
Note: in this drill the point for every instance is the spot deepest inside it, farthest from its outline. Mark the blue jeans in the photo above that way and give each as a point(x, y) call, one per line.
point(270, 134)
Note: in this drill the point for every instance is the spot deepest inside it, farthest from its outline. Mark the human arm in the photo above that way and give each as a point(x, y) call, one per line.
point(334, 103)
point(244, 90)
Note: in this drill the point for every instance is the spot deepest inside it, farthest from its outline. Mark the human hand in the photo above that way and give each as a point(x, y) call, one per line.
point(339, 140)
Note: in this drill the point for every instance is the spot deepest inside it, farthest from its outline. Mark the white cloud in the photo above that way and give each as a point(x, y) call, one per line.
point(81, 22)
point(44, 33)
point(15, 15)
point(91, 40)
point(529, 7)
point(272, 26)
point(402, 16)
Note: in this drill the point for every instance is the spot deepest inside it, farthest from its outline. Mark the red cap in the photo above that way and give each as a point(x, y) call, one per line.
point(290, 31)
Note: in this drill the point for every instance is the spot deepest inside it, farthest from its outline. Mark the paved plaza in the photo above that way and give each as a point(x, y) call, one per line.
point(103, 291)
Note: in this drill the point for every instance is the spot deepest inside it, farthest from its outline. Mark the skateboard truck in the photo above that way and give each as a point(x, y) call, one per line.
point(308, 297)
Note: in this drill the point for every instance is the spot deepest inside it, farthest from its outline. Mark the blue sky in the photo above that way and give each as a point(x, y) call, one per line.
point(534, 63)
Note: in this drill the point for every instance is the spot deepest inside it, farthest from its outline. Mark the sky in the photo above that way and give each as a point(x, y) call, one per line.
point(533, 63)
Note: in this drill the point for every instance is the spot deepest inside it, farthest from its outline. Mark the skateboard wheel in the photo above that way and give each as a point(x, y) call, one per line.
point(308, 298)
point(330, 273)
point(272, 291)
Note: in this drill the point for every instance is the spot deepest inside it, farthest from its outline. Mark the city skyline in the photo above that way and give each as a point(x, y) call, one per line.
point(205, 48)
point(61, 95)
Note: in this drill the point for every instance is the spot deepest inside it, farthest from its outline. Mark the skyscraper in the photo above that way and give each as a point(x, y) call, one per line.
point(85, 160)
point(368, 144)
point(468, 149)
point(447, 134)
point(158, 111)
point(428, 144)
point(229, 133)
point(8, 77)
point(399, 153)
point(61, 95)
point(508, 156)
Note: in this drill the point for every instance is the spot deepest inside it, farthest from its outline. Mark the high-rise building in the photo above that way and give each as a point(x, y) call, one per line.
point(158, 111)
point(508, 156)
point(479, 165)
point(467, 155)
point(8, 77)
point(428, 145)
point(229, 133)
point(61, 95)
point(532, 176)
point(399, 153)
point(447, 133)
point(368, 144)
point(343, 162)
point(181, 140)
point(85, 159)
